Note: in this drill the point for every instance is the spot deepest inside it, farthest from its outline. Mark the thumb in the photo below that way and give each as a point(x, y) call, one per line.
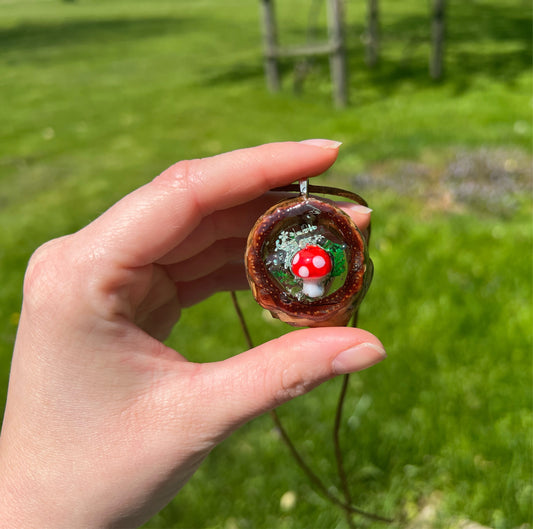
point(249, 384)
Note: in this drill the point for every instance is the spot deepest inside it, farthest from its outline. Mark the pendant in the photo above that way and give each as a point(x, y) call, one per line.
point(306, 260)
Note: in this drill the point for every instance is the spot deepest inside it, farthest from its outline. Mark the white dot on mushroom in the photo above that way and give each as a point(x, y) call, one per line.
point(303, 271)
point(319, 261)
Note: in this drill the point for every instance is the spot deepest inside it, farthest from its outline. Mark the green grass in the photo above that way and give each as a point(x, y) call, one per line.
point(97, 97)
point(449, 410)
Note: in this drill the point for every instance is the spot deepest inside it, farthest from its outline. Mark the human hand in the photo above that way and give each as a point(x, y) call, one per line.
point(104, 423)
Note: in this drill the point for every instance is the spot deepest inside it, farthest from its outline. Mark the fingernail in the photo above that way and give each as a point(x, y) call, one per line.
point(357, 358)
point(325, 144)
point(359, 208)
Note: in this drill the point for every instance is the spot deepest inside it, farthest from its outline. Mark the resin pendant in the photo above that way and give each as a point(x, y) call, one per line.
point(307, 262)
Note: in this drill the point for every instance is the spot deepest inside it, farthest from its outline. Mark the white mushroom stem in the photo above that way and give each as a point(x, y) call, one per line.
point(313, 287)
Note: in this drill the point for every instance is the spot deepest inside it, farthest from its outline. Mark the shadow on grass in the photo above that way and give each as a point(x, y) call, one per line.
point(482, 40)
point(236, 73)
point(35, 36)
point(54, 34)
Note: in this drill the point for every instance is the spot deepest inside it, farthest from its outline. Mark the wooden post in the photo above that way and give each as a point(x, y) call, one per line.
point(270, 45)
point(372, 33)
point(437, 39)
point(338, 66)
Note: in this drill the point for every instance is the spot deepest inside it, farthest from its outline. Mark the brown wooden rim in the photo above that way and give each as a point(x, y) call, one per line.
point(347, 291)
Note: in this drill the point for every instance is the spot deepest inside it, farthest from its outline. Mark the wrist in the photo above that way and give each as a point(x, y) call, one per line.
point(29, 500)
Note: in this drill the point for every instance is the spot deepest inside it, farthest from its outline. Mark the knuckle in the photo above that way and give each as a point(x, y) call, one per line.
point(178, 176)
point(44, 273)
point(183, 178)
point(291, 383)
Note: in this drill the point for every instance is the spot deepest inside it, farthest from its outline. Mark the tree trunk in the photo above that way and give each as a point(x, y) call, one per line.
point(372, 33)
point(270, 43)
point(436, 62)
point(338, 66)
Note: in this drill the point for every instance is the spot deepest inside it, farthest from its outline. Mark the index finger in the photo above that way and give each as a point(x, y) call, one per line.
point(154, 219)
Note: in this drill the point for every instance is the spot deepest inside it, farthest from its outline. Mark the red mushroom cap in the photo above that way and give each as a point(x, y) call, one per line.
point(312, 262)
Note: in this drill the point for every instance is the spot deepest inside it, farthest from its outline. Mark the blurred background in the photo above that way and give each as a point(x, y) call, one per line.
point(97, 97)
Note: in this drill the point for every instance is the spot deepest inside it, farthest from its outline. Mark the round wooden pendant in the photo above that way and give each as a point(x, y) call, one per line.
point(307, 263)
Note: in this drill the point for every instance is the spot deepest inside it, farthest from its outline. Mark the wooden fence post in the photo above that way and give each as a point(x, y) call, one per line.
point(334, 48)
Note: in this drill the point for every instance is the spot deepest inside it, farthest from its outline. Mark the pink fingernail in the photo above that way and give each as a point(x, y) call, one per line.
point(357, 358)
point(358, 208)
point(325, 144)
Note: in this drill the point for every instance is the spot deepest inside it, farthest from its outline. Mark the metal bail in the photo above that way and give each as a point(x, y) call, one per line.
point(304, 189)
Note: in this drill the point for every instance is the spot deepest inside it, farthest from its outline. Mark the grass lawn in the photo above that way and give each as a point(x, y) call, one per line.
point(97, 97)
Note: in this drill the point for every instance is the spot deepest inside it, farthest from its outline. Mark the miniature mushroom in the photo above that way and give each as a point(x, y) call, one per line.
point(313, 265)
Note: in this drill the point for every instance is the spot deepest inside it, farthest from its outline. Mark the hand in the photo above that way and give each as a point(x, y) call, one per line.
point(104, 423)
